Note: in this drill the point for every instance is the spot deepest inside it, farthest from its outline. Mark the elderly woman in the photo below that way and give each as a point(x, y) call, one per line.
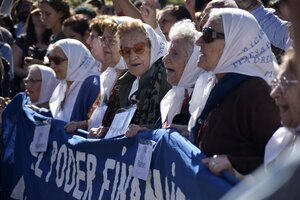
point(40, 84)
point(236, 113)
point(145, 83)
point(182, 72)
point(76, 69)
point(116, 66)
point(286, 93)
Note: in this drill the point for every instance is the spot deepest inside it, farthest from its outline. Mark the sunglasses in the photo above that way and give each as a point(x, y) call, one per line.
point(56, 59)
point(209, 35)
point(138, 48)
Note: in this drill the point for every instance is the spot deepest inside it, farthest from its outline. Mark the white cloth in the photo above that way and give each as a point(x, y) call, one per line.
point(247, 51)
point(282, 144)
point(172, 102)
point(107, 81)
point(247, 48)
point(158, 50)
point(81, 64)
point(277, 144)
point(49, 83)
point(203, 87)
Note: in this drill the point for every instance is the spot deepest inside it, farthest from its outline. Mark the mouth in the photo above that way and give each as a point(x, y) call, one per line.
point(135, 65)
point(170, 70)
point(283, 109)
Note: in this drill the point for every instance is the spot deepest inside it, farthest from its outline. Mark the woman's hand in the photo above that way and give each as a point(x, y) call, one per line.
point(248, 5)
point(99, 132)
point(190, 6)
point(133, 129)
point(71, 127)
point(218, 163)
point(148, 12)
point(182, 129)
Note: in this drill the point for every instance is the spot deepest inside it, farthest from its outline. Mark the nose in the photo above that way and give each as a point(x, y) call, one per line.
point(276, 92)
point(199, 42)
point(88, 40)
point(166, 58)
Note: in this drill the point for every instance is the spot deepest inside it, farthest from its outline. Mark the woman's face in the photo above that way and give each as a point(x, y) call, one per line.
point(287, 97)
point(110, 48)
point(136, 52)
point(95, 46)
point(36, 19)
point(33, 83)
point(166, 21)
point(50, 17)
point(210, 52)
point(59, 63)
point(175, 60)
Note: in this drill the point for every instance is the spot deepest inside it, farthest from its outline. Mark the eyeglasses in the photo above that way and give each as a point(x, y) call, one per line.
point(56, 59)
point(92, 36)
point(138, 48)
point(209, 35)
point(107, 41)
point(31, 81)
point(283, 83)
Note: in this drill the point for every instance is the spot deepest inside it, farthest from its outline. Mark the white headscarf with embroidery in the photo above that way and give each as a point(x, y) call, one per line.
point(81, 64)
point(247, 51)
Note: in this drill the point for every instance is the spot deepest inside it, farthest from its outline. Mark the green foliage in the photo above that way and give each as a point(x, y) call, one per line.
point(175, 1)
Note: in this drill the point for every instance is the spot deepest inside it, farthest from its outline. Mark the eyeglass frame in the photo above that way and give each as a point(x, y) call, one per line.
point(107, 41)
point(283, 87)
point(213, 34)
point(31, 81)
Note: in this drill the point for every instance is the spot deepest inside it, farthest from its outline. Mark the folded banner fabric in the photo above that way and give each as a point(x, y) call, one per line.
point(73, 167)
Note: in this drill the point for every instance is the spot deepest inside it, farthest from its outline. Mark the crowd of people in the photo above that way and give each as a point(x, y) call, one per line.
point(223, 73)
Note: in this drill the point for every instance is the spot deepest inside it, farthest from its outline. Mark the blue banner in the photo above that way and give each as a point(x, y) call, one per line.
point(74, 167)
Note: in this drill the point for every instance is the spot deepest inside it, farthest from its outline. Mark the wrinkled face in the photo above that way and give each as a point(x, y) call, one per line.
point(110, 47)
point(69, 33)
point(50, 17)
point(33, 83)
point(166, 21)
point(210, 52)
point(59, 63)
point(136, 52)
point(95, 46)
point(175, 60)
point(287, 98)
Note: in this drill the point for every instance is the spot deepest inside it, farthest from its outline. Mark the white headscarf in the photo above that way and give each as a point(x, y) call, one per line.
point(247, 51)
point(172, 102)
point(81, 64)
point(158, 50)
point(49, 82)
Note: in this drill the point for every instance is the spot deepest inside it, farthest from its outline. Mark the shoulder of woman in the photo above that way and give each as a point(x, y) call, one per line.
point(93, 79)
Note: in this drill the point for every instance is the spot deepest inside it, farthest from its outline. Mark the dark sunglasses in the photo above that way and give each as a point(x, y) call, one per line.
point(138, 48)
point(209, 35)
point(56, 59)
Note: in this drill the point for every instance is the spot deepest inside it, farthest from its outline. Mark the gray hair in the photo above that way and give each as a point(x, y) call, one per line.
point(185, 29)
